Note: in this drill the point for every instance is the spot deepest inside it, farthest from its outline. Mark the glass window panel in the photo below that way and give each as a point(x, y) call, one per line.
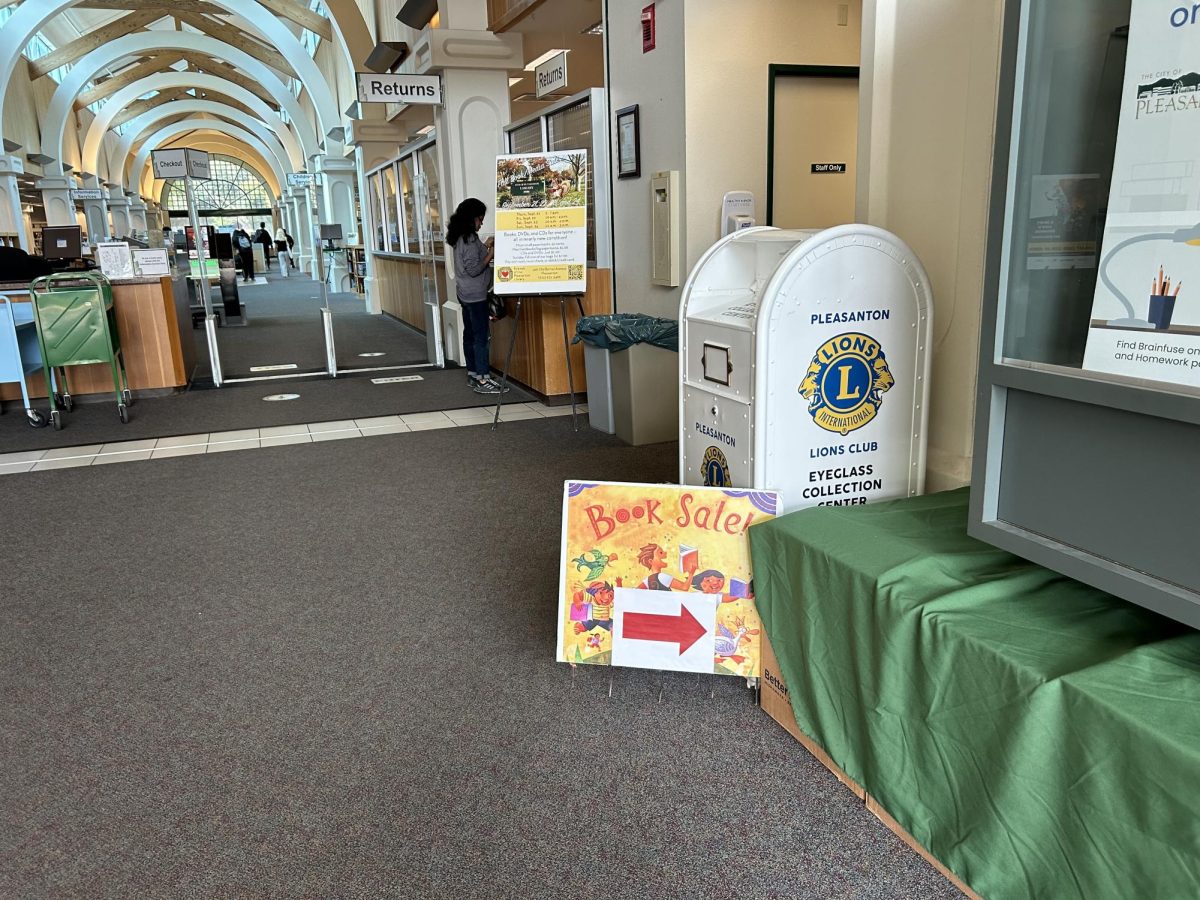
point(571, 129)
point(1064, 142)
point(378, 216)
point(527, 138)
point(410, 204)
point(389, 202)
point(433, 208)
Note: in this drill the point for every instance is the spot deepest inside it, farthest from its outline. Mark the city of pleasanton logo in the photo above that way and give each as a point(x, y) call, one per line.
point(846, 381)
point(1179, 93)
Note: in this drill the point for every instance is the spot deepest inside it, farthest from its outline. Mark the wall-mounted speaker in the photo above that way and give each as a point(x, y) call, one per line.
point(417, 13)
point(386, 56)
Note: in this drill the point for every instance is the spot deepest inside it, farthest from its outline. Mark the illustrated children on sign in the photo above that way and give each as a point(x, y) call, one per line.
point(600, 609)
point(665, 539)
point(654, 558)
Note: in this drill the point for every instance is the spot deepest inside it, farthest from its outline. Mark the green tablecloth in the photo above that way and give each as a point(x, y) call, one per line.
point(1039, 737)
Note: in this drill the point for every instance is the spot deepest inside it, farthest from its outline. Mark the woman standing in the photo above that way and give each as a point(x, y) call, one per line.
point(283, 250)
point(472, 279)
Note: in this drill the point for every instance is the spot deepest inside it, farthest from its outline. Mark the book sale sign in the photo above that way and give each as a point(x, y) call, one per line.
point(1145, 319)
point(541, 223)
point(658, 576)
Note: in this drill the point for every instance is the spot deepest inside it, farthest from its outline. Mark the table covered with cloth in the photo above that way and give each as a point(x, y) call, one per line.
point(1041, 738)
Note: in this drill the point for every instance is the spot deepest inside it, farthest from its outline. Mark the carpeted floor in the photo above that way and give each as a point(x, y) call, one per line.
point(285, 326)
point(328, 671)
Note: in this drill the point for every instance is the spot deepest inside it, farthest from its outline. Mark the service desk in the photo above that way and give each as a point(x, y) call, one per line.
point(154, 322)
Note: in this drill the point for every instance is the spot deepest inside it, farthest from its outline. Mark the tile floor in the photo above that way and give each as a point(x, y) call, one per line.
point(253, 438)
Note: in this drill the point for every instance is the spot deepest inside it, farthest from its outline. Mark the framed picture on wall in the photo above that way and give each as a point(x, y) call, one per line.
point(629, 149)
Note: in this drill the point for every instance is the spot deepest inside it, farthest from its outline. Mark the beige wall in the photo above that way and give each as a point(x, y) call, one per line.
point(703, 107)
point(927, 140)
point(726, 72)
point(654, 81)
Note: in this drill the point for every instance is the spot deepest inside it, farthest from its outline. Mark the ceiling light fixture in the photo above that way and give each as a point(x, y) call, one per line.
point(598, 28)
point(545, 57)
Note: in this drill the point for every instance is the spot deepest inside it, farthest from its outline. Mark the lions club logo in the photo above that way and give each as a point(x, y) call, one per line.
point(716, 468)
point(845, 382)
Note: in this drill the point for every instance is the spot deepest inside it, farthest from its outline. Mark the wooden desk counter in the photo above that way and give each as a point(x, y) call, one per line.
point(155, 325)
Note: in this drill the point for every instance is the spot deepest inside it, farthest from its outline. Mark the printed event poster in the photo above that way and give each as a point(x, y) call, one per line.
point(658, 576)
point(541, 223)
point(1146, 313)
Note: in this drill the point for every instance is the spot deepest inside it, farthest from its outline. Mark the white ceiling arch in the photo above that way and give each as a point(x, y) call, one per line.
point(30, 18)
point(204, 107)
point(166, 133)
point(94, 140)
point(62, 103)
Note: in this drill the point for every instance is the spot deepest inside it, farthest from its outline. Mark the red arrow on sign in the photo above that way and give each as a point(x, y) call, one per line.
point(682, 629)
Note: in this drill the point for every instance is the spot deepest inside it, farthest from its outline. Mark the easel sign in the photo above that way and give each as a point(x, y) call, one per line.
point(541, 223)
point(658, 576)
point(541, 240)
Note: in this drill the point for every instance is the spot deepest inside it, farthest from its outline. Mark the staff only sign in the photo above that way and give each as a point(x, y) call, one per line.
point(1146, 312)
point(541, 223)
point(813, 381)
point(658, 576)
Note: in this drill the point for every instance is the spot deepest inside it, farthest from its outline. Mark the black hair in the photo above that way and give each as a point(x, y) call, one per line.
point(462, 223)
point(698, 578)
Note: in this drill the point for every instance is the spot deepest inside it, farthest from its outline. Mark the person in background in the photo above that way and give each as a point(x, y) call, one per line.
point(244, 247)
point(262, 236)
point(472, 280)
point(283, 250)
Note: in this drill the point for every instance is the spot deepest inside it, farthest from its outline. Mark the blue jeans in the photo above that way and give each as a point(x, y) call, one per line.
point(476, 336)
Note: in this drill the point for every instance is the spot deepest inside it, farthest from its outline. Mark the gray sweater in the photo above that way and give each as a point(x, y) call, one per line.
point(472, 276)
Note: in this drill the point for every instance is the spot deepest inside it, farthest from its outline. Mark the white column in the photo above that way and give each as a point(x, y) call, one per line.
point(338, 178)
point(138, 220)
point(118, 210)
point(12, 219)
point(96, 213)
point(302, 215)
point(56, 199)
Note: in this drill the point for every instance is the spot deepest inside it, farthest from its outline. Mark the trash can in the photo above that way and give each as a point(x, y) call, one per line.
point(617, 349)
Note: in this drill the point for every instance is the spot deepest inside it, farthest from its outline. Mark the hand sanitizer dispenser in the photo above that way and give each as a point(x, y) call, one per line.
point(737, 212)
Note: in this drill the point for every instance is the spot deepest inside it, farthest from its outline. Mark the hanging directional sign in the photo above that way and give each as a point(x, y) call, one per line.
point(300, 179)
point(416, 89)
point(87, 194)
point(180, 163)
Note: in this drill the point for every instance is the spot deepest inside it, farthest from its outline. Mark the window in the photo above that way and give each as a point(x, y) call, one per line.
point(235, 187)
point(427, 159)
point(573, 124)
point(389, 202)
point(1064, 141)
point(410, 204)
point(378, 216)
point(571, 129)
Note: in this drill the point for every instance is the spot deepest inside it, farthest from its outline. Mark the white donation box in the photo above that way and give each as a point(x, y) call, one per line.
point(804, 360)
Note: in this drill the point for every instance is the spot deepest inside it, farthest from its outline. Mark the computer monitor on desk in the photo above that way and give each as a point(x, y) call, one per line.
point(330, 234)
point(62, 243)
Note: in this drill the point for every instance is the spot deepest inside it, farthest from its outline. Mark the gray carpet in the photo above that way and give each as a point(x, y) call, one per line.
point(328, 671)
point(285, 326)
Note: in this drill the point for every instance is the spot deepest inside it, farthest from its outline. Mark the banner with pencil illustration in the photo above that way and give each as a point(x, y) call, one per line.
point(658, 576)
point(1146, 312)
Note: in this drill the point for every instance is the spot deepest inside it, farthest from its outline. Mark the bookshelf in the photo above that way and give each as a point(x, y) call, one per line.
point(356, 263)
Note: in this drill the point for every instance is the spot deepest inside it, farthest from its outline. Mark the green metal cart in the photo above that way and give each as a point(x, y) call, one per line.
point(76, 326)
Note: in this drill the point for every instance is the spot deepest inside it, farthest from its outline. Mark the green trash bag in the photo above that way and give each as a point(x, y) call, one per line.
point(621, 331)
